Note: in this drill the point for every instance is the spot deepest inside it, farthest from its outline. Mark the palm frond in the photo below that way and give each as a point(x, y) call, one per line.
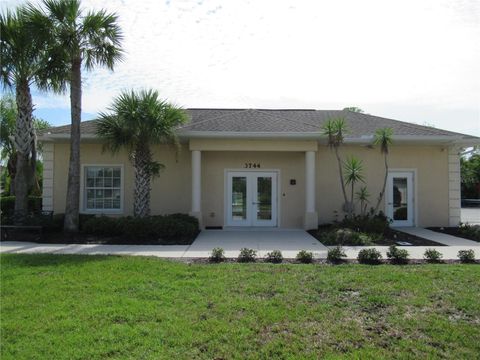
point(335, 129)
point(383, 137)
point(139, 117)
point(353, 170)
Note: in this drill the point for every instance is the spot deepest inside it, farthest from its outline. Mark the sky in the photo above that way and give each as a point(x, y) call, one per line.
point(410, 60)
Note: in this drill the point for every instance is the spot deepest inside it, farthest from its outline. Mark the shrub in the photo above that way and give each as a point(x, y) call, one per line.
point(397, 256)
point(336, 255)
point(160, 228)
point(275, 257)
point(345, 237)
point(217, 255)
point(368, 223)
point(466, 256)
point(470, 231)
point(369, 256)
point(247, 255)
point(7, 207)
point(103, 226)
point(432, 256)
point(305, 257)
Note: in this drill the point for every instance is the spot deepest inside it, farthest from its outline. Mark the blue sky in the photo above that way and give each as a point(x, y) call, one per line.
point(410, 60)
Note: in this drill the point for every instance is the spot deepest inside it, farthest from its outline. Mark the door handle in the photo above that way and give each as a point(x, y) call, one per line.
point(255, 203)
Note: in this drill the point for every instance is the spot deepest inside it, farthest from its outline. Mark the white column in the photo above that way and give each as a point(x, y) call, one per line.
point(47, 191)
point(197, 185)
point(454, 202)
point(311, 217)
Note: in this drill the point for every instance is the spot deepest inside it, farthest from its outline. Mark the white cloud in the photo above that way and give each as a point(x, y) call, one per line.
point(373, 53)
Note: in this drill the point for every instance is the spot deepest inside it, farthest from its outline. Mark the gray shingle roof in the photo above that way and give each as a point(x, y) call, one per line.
point(283, 121)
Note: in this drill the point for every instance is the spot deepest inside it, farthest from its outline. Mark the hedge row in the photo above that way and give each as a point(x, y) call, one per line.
point(167, 227)
point(7, 205)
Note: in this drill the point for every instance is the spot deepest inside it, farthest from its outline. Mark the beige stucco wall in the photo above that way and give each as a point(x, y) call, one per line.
point(430, 163)
point(171, 192)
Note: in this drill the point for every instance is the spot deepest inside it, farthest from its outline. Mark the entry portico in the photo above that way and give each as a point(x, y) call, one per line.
point(256, 191)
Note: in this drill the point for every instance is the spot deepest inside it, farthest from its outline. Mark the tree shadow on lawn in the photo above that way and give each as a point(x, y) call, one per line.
point(31, 260)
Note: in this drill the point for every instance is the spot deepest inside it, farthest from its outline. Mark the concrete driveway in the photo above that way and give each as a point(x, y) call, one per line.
point(471, 215)
point(288, 241)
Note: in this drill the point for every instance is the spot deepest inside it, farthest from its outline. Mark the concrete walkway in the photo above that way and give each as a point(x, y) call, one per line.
point(438, 237)
point(289, 242)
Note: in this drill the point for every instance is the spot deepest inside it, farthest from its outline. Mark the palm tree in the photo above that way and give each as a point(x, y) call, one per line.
point(8, 153)
point(383, 137)
point(8, 118)
point(138, 120)
point(353, 174)
point(23, 63)
point(334, 129)
point(77, 41)
point(363, 195)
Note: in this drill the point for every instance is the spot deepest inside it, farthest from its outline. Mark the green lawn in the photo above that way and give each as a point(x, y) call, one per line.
point(96, 307)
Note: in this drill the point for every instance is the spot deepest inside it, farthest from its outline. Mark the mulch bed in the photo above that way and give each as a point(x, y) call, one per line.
point(390, 238)
point(454, 231)
point(58, 237)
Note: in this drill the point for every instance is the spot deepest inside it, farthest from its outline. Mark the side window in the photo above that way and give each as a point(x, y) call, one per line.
point(103, 188)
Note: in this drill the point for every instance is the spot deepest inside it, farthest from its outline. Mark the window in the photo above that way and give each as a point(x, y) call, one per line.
point(103, 188)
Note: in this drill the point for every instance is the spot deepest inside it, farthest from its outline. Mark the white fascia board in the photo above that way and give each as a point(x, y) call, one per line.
point(364, 139)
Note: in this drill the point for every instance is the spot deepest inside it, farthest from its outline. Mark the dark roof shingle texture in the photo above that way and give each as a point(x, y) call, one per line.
point(282, 121)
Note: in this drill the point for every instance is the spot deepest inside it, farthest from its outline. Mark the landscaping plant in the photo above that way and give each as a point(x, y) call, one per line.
point(369, 256)
point(137, 121)
point(466, 256)
point(383, 137)
point(397, 256)
point(432, 256)
point(336, 255)
point(76, 41)
point(353, 168)
point(344, 236)
point(217, 255)
point(160, 228)
point(275, 257)
point(305, 257)
point(362, 196)
point(335, 129)
point(247, 255)
point(24, 64)
point(470, 231)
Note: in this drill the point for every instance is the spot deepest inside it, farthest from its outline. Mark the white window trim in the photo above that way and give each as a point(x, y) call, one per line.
point(83, 208)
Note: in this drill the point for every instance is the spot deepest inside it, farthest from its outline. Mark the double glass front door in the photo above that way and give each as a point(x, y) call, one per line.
point(251, 198)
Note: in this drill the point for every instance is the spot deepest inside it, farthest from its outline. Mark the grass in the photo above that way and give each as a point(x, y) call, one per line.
point(96, 307)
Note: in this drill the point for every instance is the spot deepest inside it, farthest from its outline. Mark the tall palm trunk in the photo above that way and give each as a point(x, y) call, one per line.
point(25, 149)
point(382, 193)
point(342, 182)
point(351, 207)
point(73, 188)
point(12, 170)
point(142, 160)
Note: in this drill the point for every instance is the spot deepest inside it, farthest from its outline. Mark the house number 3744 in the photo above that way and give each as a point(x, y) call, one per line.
point(251, 165)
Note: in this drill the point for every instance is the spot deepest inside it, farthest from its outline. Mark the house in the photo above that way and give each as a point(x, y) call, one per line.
point(263, 167)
